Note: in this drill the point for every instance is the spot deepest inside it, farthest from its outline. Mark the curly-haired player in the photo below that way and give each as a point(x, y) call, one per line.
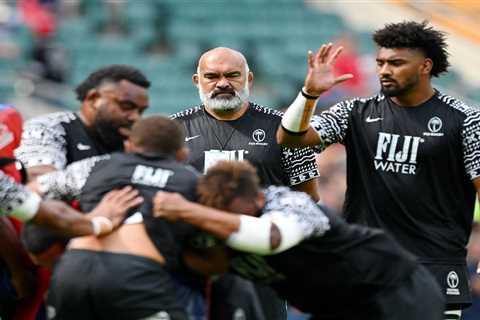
point(413, 152)
point(310, 257)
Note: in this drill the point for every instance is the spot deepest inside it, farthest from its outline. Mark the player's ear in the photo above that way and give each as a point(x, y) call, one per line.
point(195, 79)
point(181, 154)
point(260, 200)
point(91, 98)
point(250, 79)
point(427, 66)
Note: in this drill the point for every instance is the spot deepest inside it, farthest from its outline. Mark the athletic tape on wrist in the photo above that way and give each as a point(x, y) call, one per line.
point(252, 236)
point(28, 209)
point(97, 223)
point(298, 115)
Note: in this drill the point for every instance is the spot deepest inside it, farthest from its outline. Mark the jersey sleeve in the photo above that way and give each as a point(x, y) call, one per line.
point(331, 125)
point(299, 164)
point(16, 198)
point(299, 208)
point(42, 144)
point(68, 183)
point(471, 144)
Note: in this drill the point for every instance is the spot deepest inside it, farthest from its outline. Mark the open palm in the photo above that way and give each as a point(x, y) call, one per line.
point(320, 75)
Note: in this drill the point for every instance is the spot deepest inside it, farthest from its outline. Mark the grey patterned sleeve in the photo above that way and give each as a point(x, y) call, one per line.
point(12, 194)
point(471, 143)
point(299, 206)
point(68, 183)
point(42, 144)
point(299, 164)
point(332, 124)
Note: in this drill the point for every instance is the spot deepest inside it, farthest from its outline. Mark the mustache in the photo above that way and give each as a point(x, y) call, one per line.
point(217, 92)
point(387, 79)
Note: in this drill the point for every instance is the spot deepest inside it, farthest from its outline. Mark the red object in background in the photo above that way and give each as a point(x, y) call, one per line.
point(10, 134)
point(37, 17)
point(11, 126)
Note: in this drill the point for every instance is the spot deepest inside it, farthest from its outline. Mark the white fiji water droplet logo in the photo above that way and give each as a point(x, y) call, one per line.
point(239, 314)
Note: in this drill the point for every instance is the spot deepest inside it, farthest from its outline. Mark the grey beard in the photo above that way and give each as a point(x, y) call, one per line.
point(224, 104)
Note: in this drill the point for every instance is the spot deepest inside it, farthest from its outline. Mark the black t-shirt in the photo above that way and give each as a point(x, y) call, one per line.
point(409, 169)
point(336, 266)
point(252, 138)
point(91, 178)
point(58, 139)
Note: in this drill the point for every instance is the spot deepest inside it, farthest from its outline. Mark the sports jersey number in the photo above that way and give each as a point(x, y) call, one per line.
point(213, 156)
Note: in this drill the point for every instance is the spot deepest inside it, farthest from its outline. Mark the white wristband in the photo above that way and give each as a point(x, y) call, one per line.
point(97, 223)
point(298, 115)
point(28, 209)
point(252, 236)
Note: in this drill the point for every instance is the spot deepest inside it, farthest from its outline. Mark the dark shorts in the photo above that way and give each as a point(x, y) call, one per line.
point(416, 298)
point(103, 285)
point(454, 281)
point(233, 297)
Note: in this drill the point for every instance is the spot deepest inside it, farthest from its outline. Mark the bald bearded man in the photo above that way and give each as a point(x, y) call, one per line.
point(227, 126)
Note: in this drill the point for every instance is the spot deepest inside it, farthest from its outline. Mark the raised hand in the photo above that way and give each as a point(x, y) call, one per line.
point(320, 75)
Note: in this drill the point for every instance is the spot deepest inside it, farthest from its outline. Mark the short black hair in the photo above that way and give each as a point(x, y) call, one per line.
point(113, 73)
point(415, 35)
point(158, 135)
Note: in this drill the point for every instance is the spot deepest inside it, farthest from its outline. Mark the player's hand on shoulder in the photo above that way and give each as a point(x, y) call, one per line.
point(115, 205)
point(320, 74)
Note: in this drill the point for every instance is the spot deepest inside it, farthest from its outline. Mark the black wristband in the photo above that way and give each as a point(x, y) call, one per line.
point(307, 96)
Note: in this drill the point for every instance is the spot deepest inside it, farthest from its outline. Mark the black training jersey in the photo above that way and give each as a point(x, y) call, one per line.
point(409, 169)
point(252, 138)
point(336, 266)
point(57, 139)
point(91, 178)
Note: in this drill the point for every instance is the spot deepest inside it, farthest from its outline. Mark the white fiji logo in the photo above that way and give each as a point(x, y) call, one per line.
point(83, 147)
point(452, 282)
point(396, 153)
point(434, 125)
point(149, 176)
point(258, 135)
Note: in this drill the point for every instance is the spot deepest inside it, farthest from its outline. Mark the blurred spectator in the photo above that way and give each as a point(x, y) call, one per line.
point(348, 62)
point(473, 258)
point(50, 60)
point(115, 20)
point(332, 181)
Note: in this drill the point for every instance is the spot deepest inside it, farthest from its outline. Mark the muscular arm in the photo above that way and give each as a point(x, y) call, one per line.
point(287, 139)
point(295, 130)
point(310, 187)
point(241, 232)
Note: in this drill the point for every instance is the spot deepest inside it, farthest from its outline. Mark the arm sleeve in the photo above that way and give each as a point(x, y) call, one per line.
point(16, 200)
point(282, 203)
point(42, 144)
point(299, 164)
point(471, 144)
point(294, 214)
point(332, 125)
point(67, 184)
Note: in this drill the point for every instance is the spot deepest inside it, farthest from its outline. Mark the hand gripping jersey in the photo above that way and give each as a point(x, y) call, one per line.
point(252, 138)
point(58, 139)
point(90, 179)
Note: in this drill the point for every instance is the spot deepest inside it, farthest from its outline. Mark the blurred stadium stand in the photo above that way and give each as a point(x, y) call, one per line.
point(164, 38)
